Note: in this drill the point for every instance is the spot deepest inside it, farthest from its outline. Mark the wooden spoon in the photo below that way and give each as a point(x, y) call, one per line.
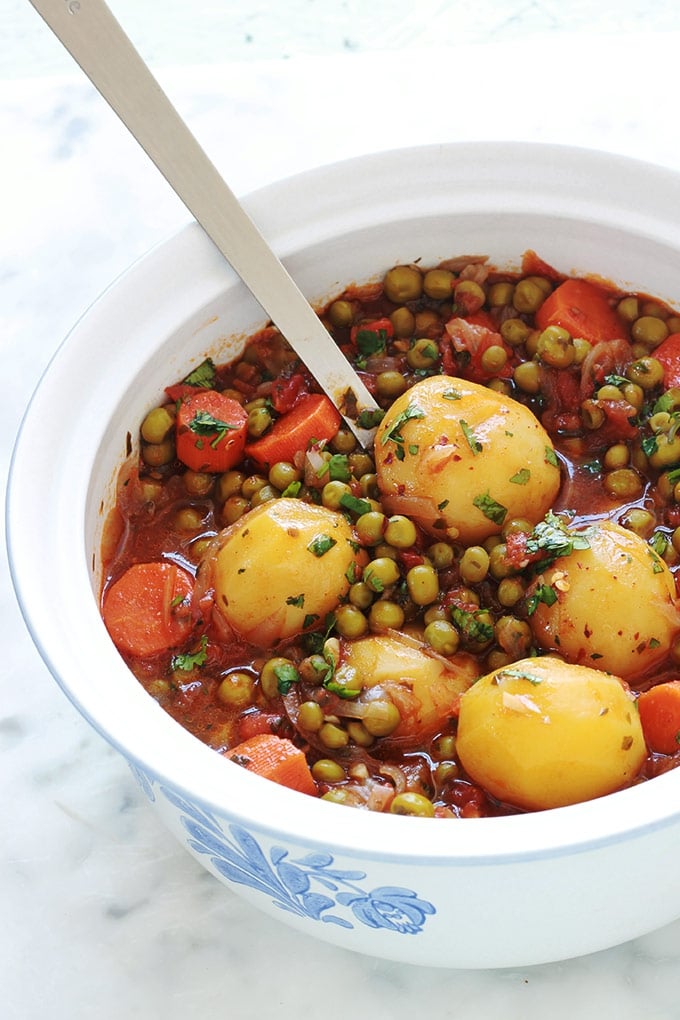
point(93, 37)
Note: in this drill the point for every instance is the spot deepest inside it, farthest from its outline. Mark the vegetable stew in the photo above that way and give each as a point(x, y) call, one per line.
point(476, 617)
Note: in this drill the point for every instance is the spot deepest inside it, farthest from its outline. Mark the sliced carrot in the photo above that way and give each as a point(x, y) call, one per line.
point(211, 431)
point(148, 609)
point(313, 418)
point(275, 758)
point(668, 353)
point(659, 710)
point(583, 310)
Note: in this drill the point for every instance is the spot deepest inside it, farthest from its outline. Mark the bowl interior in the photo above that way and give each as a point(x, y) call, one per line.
point(581, 211)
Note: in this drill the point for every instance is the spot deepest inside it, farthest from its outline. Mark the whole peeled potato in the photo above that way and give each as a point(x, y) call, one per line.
point(466, 458)
point(542, 733)
point(614, 607)
point(282, 566)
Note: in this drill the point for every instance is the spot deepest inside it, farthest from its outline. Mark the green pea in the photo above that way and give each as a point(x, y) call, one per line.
point(282, 474)
point(333, 493)
point(263, 495)
point(381, 718)
point(442, 637)
point(423, 353)
point(359, 734)
point(234, 508)
point(528, 296)
point(325, 770)
point(527, 376)
point(229, 484)
point(403, 322)
point(259, 420)
point(236, 689)
point(381, 573)
point(390, 384)
point(251, 484)
point(360, 595)
point(400, 532)
point(555, 347)
point(341, 313)
point(188, 519)
point(414, 804)
point(269, 680)
point(617, 456)
point(333, 736)
point(649, 330)
point(647, 372)
point(350, 622)
point(500, 294)
point(438, 284)
point(402, 284)
point(423, 584)
point(624, 483)
point(385, 615)
point(592, 415)
point(198, 483)
point(441, 555)
point(494, 359)
point(370, 527)
point(469, 296)
point(474, 564)
point(157, 424)
point(158, 454)
point(515, 331)
point(640, 521)
point(310, 716)
point(510, 591)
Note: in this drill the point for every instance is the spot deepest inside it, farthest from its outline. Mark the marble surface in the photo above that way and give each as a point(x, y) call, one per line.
point(102, 914)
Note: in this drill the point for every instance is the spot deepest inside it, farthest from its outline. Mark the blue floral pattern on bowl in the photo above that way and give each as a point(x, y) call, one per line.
point(308, 886)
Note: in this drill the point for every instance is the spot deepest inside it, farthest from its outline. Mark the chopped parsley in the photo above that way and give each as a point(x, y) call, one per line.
point(371, 341)
point(293, 489)
point(650, 445)
point(551, 457)
point(492, 510)
point(394, 435)
point(321, 544)
point(543, 593)
point(286, 675)
point(367, 419)
point(471, 625)
point(205, 424)
point(472, 440)
point(553, 538)
point(616, 380)
point(521, 477)
point(452, 394)
point(517, 674)
point(189, 660)
point(354, 504)
point(338, 468)
point(203, 375)
point(342, 692)
point(296, 600)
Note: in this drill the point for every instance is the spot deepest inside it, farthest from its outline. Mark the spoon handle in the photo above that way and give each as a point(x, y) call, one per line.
point(93, 37)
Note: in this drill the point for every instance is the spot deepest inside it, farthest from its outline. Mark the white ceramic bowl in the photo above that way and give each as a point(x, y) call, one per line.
point(470, 893)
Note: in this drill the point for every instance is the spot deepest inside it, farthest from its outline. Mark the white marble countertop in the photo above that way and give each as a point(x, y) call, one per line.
point(103, 914)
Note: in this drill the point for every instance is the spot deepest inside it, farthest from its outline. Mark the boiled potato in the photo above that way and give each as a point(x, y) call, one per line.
point(471, 457)
point(615, 607)
point(542, 733)
point(281, 564)
point(430, 688)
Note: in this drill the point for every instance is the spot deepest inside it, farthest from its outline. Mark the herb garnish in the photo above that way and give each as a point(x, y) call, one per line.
point(320, 545)
point(202, 376)
point(296, 600)
point(521, 477)
point(286, 675)
point(553, 538)
point(394, 435)
point(354, 504)
point(186, 661)
point(543, 593)
point(551, 457)
point(472, 440)
point(471, 625)
point(205, 424)
point(370, 419)
point(492, 510)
